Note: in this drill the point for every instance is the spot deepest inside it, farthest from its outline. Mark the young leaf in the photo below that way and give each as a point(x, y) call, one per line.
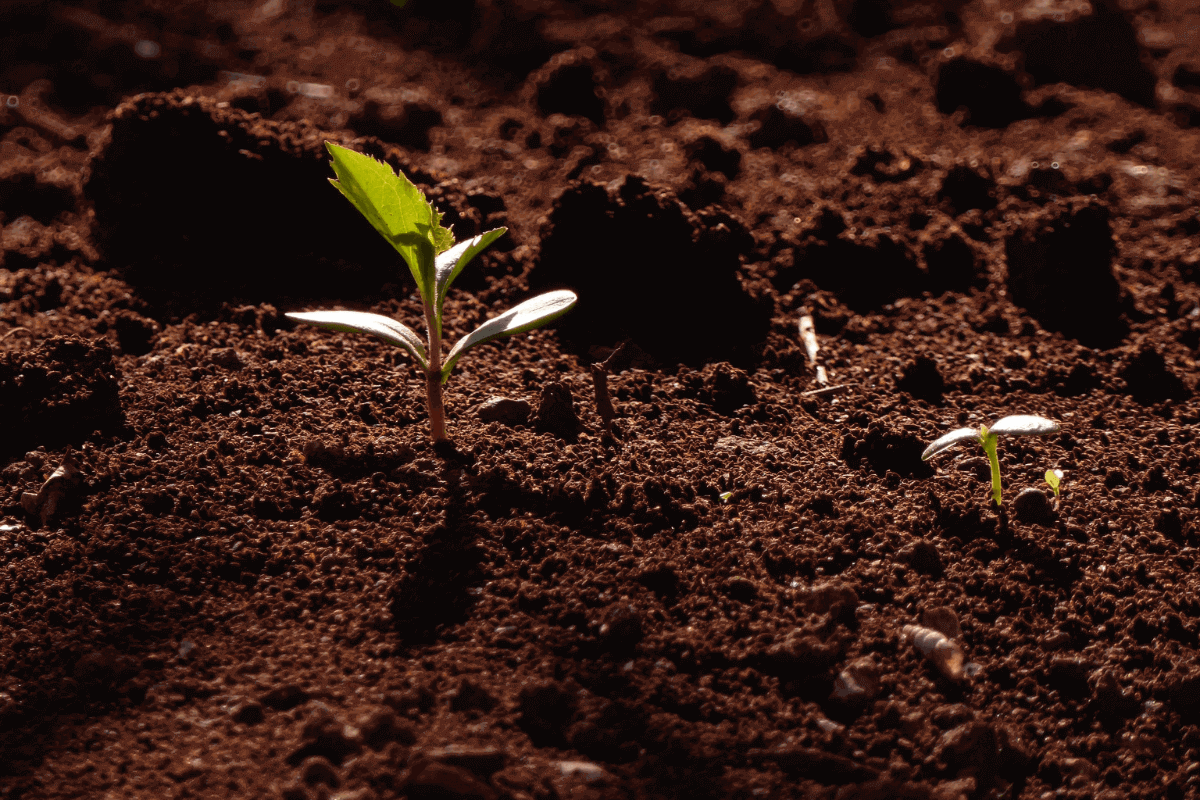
point(1024, 425)
point(1054, 480)
point(452, 261)
point(396, 208)
point(533, 313)
point(385, 328)
point(949, 440)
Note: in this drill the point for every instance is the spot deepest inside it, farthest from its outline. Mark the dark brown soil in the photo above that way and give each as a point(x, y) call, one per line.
point(254, 575)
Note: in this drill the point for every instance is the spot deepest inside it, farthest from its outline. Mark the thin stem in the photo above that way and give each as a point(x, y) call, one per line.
point(989, 441)
point(433, 378)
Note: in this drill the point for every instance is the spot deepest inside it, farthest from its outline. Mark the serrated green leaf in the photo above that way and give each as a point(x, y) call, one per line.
point(533, 313)
point(396, 208)
point(949, 440)
point(386, 328)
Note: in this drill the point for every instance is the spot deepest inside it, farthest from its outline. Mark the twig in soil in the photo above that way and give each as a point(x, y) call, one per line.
point(16, 330)
point(604, 406)
point(825, 391)
point(808, 335)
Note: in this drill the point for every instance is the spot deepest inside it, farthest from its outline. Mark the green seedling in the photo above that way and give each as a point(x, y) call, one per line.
point(1054, 481)
point(399, 211)
point(1019, 425)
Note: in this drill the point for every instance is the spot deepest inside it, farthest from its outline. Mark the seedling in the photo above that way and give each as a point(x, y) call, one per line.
point(1054, 479)
point(1019, 425)
point(399, 211)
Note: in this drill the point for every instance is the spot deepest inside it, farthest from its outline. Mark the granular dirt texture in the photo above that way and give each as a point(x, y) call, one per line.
point(233, 565)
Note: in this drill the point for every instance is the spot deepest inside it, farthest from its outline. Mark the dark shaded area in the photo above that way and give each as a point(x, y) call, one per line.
point(703, 92)
point(1148, 378)
point(922, 379)
point(966, 188)
point(651, 271)
point(989, 95)
point(285, 232)
point(58, 394)
point(404, 124)
point(1060, 271)
point(570, 88)
point(866, 273)
point(1098, 51)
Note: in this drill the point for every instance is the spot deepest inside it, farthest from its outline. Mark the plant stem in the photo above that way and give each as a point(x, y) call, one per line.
point(989, 441)
point(433, 378)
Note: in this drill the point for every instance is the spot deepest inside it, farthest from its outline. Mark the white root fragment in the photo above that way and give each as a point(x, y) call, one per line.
point(57, 489)
point(808, 335)
point(943, 653)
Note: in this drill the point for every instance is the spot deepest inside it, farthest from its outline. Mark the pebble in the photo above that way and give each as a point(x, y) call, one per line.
point(226, 357)
point(433, 779)
point(858, 683)
point(1033, 507)
point(504, 410)
point(480, 759)
point(249, 712)
point(584, 770)
point(316, 769)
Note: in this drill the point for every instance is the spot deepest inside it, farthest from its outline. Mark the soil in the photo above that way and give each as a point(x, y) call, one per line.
point(252, 575)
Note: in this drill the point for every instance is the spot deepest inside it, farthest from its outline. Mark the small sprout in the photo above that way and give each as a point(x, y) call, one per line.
point(1018, 425)
point(725, 496)
point(944, 653)
point(1054, 480)
point(400, 212)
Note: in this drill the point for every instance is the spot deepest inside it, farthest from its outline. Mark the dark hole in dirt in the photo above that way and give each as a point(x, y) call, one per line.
point(705, 94)
point(1098, 50)
point(571, 90)
point(990, 95)
point(1060, 271)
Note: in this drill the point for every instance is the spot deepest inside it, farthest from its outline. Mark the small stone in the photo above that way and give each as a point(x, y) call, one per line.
point(584, 770)
point(324, 734)
point(483, 760)
point(226, 357)
point(430, 779)
point(923, 556)
point(826, 597)
point(317, 769)
point(943, 620)
point(383, 725)
point(470, 695)
point(504, 410)
point(858, 683)
point(1033, 507)
point(622, 628)
point(249, 712)
point(741, 588)
point(556, 412)
point(285, 697)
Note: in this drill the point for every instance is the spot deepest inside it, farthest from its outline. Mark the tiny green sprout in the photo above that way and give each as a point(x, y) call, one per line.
point(1018, 425)
point(399, 211)
point(1054, 480)
point(726, 496)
